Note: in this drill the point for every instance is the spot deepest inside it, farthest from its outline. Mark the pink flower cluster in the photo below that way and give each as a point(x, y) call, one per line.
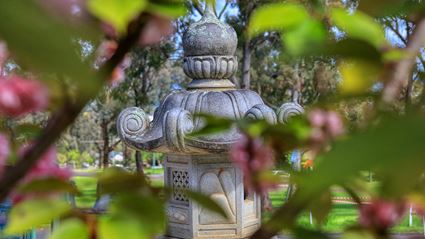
point(46, 167)
point(4, 151)
point(19, 96)
point(326, 126)
point(381, 214)
point(253, 157)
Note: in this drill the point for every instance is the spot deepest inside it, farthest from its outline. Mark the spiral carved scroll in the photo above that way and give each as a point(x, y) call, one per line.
point(288, 110)
point(176, 125)
point(132, 122)
point(261, 112)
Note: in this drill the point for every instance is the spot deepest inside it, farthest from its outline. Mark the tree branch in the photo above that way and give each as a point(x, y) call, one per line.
point(223, 9)
point(402, 69)
point(198, 8)
point(395, 30)
point(64, 117)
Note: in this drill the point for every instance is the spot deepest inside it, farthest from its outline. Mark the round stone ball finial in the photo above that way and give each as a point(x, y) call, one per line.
point(209, 48)
point(210, 36)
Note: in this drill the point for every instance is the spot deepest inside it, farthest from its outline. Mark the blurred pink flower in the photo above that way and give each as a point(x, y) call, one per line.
point(46, 167)
point(253, 157)
point(381, 214)
point(4, 152)
point(73, 11)
point(156, 28)
point(19, 96)
point(4, 149)
point(105, 51)
point(326, 126)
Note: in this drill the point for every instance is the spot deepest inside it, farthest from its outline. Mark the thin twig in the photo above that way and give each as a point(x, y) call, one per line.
point(64, 117)
point(402, 69)
point(223, 9)
point(198, 7)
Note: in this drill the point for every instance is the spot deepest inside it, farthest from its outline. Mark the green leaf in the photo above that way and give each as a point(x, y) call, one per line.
point(359, 26)
point(49, 185)
point(353, 49)
point(213, 125)
point(118, 13)
point(277, 16)
point(71, 229)
point(303, 233)
point(308, 37)
point(46, 45)
point(122, 227)
point(381, 8)
point(146, 209)
point(34, 213)
point(394, 55)
point(321, 207)
point(357, 76)
point(394, 148)
point(357, 234)
point(115, 180)
point(171, 8)
point(206, 202)
point(133, 216)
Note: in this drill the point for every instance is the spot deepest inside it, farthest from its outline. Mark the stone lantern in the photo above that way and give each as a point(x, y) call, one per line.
point(202, 163)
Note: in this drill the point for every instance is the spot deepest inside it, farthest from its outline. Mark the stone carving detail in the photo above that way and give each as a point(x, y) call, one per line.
point(261, 112)
point(177, 124)
point(221, 188)
point(177, 215)
point(180, 179)
point(132, 122)
point(288, 110)
point(210, 67)
point(210, 36)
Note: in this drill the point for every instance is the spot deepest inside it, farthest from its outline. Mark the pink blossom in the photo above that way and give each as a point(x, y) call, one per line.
point(73, 11)
point(46, 167)
point(253, 157)
point(155, 29)
point(317, 118)
point(326, 126)
point(334, 124)
point(4, 152)
point(381, 214)
point(4, 149)
point(19, 96)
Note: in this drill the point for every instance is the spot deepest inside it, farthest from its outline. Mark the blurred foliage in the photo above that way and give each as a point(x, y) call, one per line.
point(330, 54)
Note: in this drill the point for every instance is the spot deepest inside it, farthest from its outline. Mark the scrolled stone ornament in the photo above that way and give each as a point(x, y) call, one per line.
point(176, 125)
point(261, 112)
point(132, 122)
point(288, 110)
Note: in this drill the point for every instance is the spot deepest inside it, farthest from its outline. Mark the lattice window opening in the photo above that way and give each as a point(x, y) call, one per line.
point(180, 181)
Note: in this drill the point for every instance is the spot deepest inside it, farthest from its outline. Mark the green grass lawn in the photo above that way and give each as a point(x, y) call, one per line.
point(87, 187)
point(343, 215)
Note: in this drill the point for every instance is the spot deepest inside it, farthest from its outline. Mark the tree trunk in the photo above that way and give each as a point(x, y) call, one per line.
point(126, 155)
point(246, 65)
point(139, 162)
point(105, 149)
point(99, 160)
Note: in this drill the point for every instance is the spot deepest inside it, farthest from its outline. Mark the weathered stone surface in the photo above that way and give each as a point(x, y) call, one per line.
point(209, 36)
point(202, 163)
